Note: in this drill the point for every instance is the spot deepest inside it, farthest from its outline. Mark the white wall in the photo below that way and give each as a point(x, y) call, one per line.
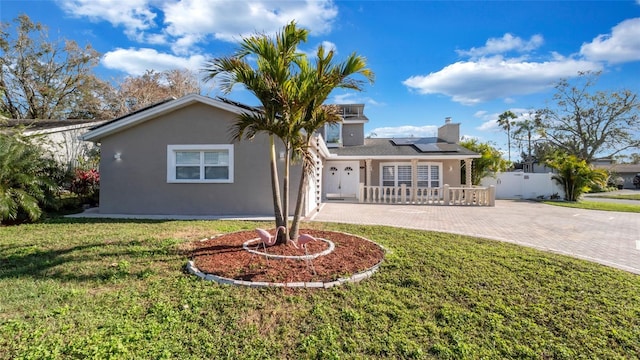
point(519, 185)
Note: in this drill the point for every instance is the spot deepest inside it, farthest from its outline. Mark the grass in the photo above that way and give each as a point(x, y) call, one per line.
point(621, 196)
point(597, 205)
point(117, 290)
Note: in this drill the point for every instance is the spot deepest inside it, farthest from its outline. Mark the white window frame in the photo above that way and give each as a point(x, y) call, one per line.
point(171, 163)
point(326, 139)
point(408, 163)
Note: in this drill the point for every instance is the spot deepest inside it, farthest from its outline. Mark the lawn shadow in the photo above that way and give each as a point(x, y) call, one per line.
point(29, 261)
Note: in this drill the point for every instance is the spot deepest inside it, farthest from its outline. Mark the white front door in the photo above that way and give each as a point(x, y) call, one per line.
point(341, 179)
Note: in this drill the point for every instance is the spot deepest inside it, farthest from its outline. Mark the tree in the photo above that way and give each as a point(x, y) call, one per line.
point(575, 175)
point(268, 82)
point(136, 92)
point(590, 124)
point(315, 83)
point(504, 120)
point(524, 133)
point(490, 160)
point(46, 80)
point(292, 92)
point(25, 181)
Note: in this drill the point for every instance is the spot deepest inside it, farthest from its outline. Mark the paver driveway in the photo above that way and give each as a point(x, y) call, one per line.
point(609, 238)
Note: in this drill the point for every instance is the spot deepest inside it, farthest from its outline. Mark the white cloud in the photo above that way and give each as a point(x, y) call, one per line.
point(473, 82)
point(187, 22)
point(134, 15)
point(138, 61)
point(503, 45)
point(230, 20)
point(405, 131)
point(622, 45)
point(352, 98)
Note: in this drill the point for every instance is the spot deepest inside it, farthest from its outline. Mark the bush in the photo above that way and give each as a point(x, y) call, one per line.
point(25, 182)
point(86, 185)
point(575, 175)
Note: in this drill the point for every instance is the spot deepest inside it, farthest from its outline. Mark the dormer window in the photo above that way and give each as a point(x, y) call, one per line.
point(333, 135)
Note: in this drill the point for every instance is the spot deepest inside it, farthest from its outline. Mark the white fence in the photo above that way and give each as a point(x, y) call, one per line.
point(519, 185)
point(446, 195)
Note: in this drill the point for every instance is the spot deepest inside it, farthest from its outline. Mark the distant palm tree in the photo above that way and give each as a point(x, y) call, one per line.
point(504, 120)
point(24, 181)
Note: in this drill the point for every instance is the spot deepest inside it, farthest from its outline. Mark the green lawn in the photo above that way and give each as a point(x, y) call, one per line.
point(597, 205)
point(117, 289)
point(621, 196)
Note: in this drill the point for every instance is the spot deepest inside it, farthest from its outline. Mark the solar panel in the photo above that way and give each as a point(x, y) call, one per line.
point(426, 145)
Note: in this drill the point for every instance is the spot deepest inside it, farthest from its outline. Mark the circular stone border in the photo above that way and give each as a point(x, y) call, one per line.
point(332, 247)
point(357, 277)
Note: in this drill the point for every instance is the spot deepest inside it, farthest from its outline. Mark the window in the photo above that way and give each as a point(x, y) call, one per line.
point(388, 175)
point(200, 163)
point(333, 134)
point(428, 174)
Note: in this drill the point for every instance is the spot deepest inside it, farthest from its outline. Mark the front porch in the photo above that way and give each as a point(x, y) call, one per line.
point(415, 190)
point(445, 195)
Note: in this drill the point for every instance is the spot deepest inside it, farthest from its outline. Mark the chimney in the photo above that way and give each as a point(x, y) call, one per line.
point(449, 132)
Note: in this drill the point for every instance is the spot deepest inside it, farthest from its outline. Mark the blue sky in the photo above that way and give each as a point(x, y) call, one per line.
point(469, 60)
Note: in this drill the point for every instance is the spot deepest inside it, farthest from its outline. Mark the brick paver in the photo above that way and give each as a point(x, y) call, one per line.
point(609, 238)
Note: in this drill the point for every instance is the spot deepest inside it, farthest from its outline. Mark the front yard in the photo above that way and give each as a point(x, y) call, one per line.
point(117, 289)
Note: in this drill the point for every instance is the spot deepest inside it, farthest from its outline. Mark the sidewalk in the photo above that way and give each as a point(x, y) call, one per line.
point(609, 238)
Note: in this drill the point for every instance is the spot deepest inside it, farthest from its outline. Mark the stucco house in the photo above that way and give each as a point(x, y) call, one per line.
point(177, 158)
point(622, 175)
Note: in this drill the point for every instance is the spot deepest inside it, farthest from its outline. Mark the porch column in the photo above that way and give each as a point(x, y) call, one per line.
point(367, 179)
point(414, 179)
point(468, 165)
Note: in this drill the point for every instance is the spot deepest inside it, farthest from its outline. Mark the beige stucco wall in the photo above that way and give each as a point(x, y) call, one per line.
point(450, 177)
point(137, 183)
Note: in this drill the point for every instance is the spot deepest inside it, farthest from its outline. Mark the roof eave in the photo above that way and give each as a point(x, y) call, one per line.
point(97, 134)
point(405, 157)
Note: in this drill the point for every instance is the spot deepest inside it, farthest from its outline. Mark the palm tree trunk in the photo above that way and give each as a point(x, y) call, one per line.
point(275, 185)
point(295, 224)
point(284, 237)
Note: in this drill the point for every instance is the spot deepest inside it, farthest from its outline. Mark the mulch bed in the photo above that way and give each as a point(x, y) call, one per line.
point(224, 256)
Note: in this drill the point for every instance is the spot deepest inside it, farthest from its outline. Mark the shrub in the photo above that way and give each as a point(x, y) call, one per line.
point(575, 175)
point(25, 185)
point(86, 185)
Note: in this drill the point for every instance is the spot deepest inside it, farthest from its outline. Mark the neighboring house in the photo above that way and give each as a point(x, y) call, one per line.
point(621, 174)
point(177, 158)
point(60, 137)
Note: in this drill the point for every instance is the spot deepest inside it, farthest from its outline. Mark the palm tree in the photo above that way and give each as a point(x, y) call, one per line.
point(24, 181)
point(269, 83)
point(575, 175)
point(291, 91)
point(315, 83)
point(504, 120)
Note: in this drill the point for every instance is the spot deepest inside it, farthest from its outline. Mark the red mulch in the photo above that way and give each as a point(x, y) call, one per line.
point(224, 256)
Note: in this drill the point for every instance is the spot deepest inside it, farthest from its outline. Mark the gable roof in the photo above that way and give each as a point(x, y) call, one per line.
point(161, 108)
point(385, 148)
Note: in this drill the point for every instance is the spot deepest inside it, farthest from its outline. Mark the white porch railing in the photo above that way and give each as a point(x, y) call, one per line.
point(446, 195)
